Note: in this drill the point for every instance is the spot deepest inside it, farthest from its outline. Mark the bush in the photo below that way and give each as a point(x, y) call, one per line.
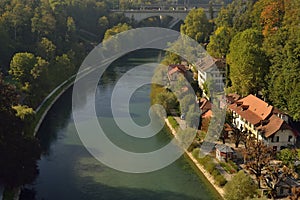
point(196, 153)
point(210, 167)
point(220, 180)
point(229, 168)
point(215, 173)
point(233, 165)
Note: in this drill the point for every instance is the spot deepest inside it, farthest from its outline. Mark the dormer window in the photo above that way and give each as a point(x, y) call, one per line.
point(245, 107)
point(239, 103)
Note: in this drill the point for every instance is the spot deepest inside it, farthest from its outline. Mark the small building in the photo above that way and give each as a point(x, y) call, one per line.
point(212, 71)
point(224, 152)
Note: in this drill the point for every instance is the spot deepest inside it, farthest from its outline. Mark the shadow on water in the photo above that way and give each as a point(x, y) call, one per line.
point(54, 121)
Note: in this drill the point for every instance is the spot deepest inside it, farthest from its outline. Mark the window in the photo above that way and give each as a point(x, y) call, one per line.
point(274, 148)
point(277, 138)
point(290, 138)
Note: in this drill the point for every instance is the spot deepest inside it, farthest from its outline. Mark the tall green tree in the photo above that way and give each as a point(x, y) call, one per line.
point(197, 26)
point(218, 46)
point(248, 63)
point(43, 22)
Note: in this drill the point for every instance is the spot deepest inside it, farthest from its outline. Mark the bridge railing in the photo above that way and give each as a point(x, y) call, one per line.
point(167, 7)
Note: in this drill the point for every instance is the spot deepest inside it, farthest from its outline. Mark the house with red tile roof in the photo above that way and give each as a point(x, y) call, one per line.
point(174, 70)
point(262, 121)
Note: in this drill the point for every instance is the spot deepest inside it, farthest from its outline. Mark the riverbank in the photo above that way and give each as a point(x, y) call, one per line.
point(189, 155)
point(48, 102)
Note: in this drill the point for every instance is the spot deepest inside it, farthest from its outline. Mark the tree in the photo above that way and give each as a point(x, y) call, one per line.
point(237, 15)
point(186, 102)
point(46, 49)
point(248, 63)
point(115, 30)
point(240, 187)
point(288, 157)
point(167, 100)
point(295, 193)
point(196, 25)
point(43, 22)
point(193, 116)
point(276, 175)
point(23, 111)
point(257, 158)
point(21, 66)
point(272, 16)
point(39, 68)
point(18, 154)
point(103, 22)
point(218, 46)
point(239, 136)
point(284, 80)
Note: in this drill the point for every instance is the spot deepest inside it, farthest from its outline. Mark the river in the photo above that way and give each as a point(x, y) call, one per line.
point(68, 171)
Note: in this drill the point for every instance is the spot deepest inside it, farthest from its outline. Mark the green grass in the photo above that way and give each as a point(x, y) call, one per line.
point(209, 165)
point(173, 122)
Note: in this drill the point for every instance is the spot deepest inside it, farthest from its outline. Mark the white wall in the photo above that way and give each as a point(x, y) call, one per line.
point(282, 134)
point(283, 139)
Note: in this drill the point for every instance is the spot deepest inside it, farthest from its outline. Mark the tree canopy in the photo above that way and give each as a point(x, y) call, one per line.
point(248, 63)
point(196, 25)
point(241, 186)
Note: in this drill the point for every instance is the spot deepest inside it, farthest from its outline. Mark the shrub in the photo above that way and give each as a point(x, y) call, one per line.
point(210, 167)
point(215, 173)
point(196, 153)
point(233, 165)
point(220, 180)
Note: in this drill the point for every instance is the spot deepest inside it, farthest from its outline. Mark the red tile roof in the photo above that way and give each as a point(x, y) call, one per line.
point(176, 68)
point(260, 114)
point(252, 109)
point(205, 105)
point(274, 124)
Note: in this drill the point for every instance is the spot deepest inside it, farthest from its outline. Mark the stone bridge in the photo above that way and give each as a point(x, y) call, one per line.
point(177, 13)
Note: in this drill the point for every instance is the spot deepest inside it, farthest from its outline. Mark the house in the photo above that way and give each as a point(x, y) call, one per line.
point(263, 122)
point(212, 71)
point(175, 70)
point(224, 152)
point(205, 108)
point(284, 187)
